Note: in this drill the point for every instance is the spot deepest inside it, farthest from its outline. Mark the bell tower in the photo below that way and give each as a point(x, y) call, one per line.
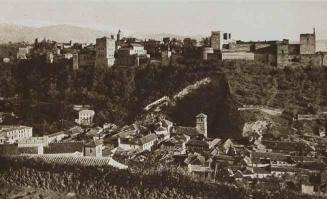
point(201, 124)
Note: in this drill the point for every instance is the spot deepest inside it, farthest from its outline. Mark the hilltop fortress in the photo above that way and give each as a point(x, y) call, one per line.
point(276, 53)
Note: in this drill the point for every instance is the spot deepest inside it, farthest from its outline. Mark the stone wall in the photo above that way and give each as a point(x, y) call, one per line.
point(237, 56)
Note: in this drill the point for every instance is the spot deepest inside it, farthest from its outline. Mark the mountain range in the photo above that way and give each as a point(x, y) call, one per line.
point(65, 33)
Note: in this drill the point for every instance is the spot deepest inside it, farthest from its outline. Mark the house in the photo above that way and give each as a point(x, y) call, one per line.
point(57, 137)
point(12, 133)
point(132, 54)
point(243, 174)
point(286, 147)
point(96, 132)
point(75, 131)
point(162, 133)
point(197, 145)
point(199, 165)
point(85, 117)
point(313, 184)
point(176, 143)
point(142, 143)
point(93, 148)
point(65, 148)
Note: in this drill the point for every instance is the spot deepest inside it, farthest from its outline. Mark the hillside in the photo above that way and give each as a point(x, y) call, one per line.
point(213, 99)
point(301, 89)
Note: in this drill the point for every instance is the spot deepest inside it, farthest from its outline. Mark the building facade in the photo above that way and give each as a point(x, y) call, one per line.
point(105, 52)
point(12, 134)
point(85, 117)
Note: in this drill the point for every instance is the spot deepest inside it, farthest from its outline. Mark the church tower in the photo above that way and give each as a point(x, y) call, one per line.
point(201, 124)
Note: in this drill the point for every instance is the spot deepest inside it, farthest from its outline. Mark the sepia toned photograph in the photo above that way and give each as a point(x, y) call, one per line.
point(163, 99)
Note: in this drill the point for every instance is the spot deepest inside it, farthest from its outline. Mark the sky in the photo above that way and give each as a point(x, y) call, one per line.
point(245, 19)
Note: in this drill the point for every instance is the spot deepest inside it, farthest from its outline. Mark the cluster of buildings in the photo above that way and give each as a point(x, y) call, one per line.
point(105, 53)
point(253, 158)
point(220, 46)
point(129, 51)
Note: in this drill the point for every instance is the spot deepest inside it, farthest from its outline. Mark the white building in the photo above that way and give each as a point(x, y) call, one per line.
point(57, 137)
point(12, 134)
point(144, 143)
point(23, 52)
point(85, 117)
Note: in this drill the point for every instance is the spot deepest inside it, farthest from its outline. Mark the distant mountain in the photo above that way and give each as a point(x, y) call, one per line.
point(64, 33)
point(60, 33)
point(159, 36)
point(321, 45)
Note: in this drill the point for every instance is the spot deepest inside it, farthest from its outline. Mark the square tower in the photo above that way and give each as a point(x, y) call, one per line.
point(308, 43)
point(215, 40)
point(201, 124)
point(105, 52)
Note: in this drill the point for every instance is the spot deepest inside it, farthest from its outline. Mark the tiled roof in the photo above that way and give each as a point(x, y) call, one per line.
point(85, 161)
point(197, 143)
point(64, 147)
point(75, 130)
point(197, 160)
point(285, 146)
point(190, 131)
point(148, 138)
point(56, 134)
point(93, 143)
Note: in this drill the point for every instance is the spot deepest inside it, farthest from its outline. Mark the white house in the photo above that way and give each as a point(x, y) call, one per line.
point(143, 143)
point(12, 134)
point(85, 117)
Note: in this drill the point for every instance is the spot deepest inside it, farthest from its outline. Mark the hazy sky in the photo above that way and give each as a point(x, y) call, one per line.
point(247, 20)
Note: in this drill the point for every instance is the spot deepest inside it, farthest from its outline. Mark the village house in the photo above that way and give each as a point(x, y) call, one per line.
point(142, 143)
point(199, 165)
point(314, 184)
point(11, 133)
point(176, 143)
point(163, 130)
point(197, 146)
point(57, 137)
point(93, 148)
point(74, 131)
point(96, 133)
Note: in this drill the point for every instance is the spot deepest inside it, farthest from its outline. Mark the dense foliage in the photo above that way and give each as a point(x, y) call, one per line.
point(299, 88)
point(47, 92)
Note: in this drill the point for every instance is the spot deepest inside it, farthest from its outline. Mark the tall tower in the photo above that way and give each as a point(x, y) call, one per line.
point(118, 36)
point(215, 40)
point(201, 124)
point(105, 52)
point(308, 43)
